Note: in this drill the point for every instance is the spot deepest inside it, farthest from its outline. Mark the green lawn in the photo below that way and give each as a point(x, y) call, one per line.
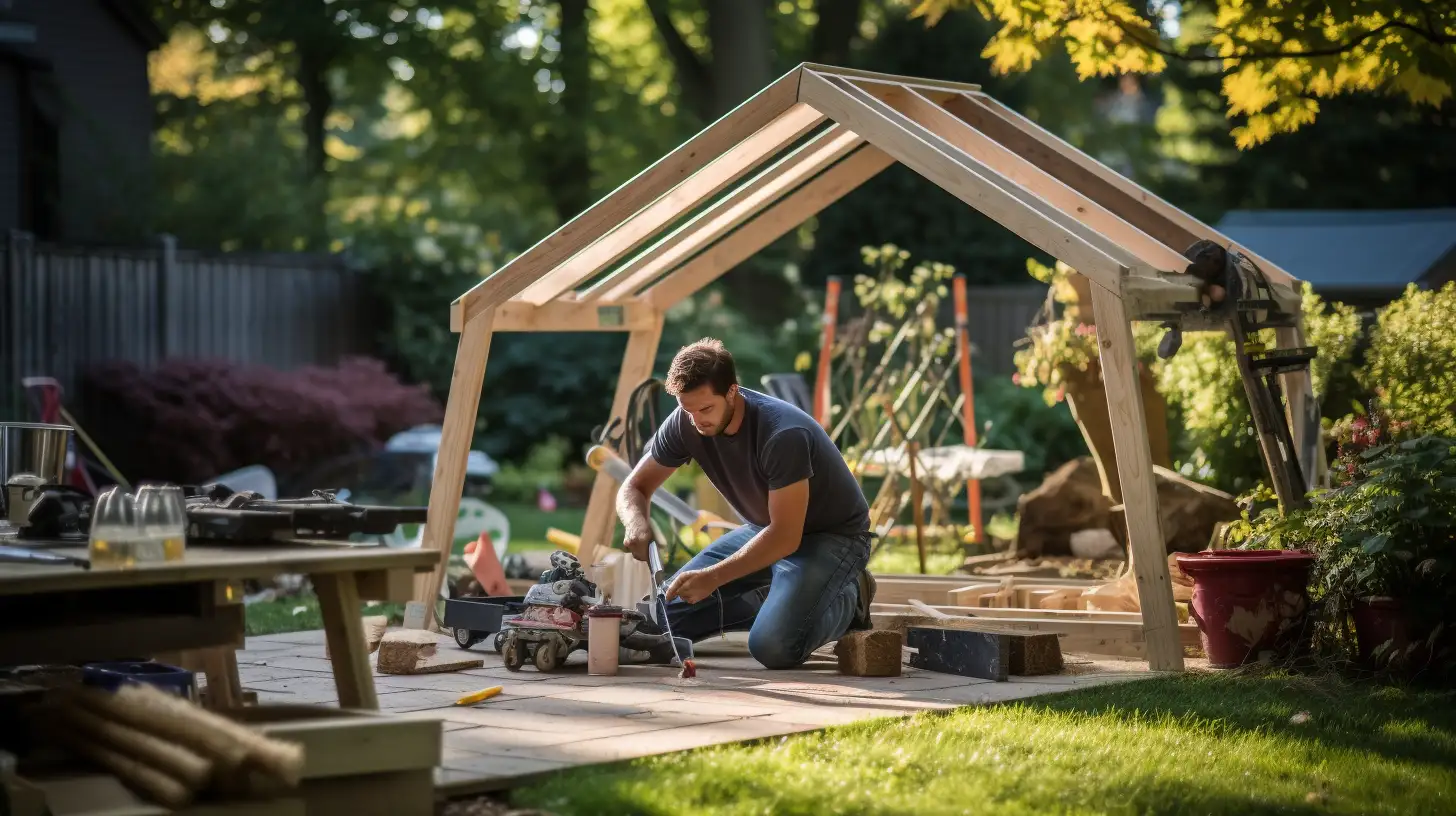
point(1192, 744)
point(528, 532)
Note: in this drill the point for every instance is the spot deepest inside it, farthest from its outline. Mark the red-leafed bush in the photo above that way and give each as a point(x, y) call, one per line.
point(190, 420)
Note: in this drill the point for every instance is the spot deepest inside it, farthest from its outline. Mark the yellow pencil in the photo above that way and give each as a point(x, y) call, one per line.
point(477, 696)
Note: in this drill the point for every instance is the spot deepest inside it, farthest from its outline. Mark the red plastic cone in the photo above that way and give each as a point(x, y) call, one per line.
point(486, 567)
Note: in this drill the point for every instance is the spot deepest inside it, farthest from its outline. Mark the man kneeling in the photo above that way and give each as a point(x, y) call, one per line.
point(795, 574)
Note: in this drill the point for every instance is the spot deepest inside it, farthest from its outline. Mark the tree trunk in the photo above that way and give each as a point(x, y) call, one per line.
point(692, 74)
point(837, 26)
point(565, 156)
point(313, 67)
point(742, 51)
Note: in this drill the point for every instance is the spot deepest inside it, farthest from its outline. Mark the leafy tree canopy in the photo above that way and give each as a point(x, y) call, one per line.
point(1277, 58)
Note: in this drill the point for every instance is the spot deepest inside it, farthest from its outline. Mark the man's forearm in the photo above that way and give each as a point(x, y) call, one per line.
point(771, 544)
point(632, 507)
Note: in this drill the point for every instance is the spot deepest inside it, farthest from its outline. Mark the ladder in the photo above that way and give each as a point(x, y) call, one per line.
point(1246, 306)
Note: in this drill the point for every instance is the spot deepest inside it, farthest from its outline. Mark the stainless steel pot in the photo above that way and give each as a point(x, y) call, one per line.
point(30, 447)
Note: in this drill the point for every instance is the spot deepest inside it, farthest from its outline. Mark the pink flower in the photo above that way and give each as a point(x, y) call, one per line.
point(1016, 378)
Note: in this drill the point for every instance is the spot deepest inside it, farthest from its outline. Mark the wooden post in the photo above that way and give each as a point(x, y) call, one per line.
point(1146, 549)
point(917, 499)
point(823, 399)
point(455, 437)
point(601, 514)
point(968, 404)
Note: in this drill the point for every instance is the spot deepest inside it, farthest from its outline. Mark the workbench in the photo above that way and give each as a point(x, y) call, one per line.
point(64, 614)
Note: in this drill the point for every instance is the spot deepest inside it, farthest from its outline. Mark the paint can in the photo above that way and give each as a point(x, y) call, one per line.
point(603, 639)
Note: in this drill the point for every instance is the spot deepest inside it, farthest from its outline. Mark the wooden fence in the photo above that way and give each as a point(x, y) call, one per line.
point(65, 308)
point(998, 317)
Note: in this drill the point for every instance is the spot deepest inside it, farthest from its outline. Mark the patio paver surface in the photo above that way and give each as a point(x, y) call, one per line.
point(546, 722)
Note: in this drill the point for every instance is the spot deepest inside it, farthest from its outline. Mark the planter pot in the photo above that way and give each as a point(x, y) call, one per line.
point(1380, 620)
point(1249, 604)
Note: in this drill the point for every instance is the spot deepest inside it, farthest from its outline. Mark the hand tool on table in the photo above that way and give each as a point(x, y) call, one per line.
point(21, 555)
point(654, 562)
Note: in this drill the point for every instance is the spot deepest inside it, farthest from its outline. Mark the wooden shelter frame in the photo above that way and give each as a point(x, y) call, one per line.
point(814, 135)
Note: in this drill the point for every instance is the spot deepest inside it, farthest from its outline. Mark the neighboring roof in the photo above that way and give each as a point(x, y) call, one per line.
point(1348, 249)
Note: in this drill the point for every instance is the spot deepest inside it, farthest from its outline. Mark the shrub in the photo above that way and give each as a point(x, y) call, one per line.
point(190, 420)
point(1388, 530)
point(545, 466)
point(1411, 362)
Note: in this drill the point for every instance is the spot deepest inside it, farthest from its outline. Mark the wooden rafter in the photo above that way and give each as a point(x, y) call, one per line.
point(644, 188)
point(932, 157)
point(691, 193)
point(565, 316)
point(769, 225)
point(1096, 180)
point(1122, 240)
point(712, 224)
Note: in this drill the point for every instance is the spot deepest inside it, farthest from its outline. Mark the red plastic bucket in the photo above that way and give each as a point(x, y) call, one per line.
point(1249, 604)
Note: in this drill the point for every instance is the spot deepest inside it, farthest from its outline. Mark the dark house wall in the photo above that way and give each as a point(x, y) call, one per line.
point(82, 127)
point(9, 145)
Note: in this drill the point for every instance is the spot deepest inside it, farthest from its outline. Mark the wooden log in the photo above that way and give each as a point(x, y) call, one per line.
point(142, 779)
point(228, 743)
point(177, 762)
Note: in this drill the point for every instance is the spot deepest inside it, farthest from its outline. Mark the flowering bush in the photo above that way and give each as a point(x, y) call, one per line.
point(190, 420)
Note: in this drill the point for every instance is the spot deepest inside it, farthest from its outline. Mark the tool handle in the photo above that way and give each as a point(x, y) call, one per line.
point(654, 562)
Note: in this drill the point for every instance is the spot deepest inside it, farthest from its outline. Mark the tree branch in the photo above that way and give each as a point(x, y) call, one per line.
point(1139, 36)
point(692, 74)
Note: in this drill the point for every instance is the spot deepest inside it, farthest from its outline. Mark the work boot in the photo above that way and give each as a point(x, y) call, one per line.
point(862, 620)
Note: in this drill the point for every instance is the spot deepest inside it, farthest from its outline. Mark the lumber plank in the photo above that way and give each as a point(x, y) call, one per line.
point(1130, 201)
point(644, 188)
point(601, 516)
point(687, 196)
point(858, 75)
point(571, 316)
point(455, 437)
point(931, 157)
point(338, 595)
point(745, 202)
point(1100, 227)
point(769, 225)
point(1135, 473)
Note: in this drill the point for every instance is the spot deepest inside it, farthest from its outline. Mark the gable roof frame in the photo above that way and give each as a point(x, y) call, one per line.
point(760, 171)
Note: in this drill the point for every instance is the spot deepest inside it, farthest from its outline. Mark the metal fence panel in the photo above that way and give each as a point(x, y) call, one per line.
point(67, 308)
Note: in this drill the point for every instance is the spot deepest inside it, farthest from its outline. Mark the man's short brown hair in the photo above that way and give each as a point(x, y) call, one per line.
point(705, 362)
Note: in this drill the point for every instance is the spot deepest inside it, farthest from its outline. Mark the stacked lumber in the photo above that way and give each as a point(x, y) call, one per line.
point(165, 749)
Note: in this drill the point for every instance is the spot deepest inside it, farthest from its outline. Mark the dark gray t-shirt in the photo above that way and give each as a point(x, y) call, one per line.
point(776, 446)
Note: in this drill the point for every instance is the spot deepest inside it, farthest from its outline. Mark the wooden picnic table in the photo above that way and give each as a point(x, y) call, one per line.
point(59, 614)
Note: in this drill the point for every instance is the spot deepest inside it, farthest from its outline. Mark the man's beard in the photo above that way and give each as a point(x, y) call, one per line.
point(728, 415)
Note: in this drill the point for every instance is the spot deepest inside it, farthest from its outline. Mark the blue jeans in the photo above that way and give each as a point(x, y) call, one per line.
point(791, 608)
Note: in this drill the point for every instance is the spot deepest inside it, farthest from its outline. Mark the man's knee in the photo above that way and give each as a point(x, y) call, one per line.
point(774, 650)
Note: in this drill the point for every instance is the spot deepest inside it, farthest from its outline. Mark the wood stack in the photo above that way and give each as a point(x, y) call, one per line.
point(164, 748)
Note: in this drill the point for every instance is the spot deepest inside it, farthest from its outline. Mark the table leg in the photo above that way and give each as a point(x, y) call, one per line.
point(338, 595)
